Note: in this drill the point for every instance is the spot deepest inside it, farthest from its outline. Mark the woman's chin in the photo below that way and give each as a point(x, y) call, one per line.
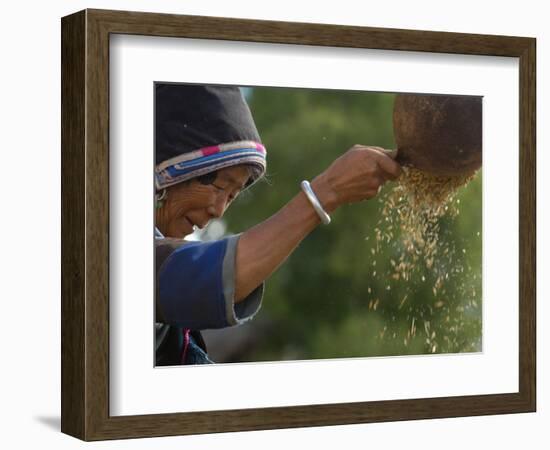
point(180, 231)
point(184, 233)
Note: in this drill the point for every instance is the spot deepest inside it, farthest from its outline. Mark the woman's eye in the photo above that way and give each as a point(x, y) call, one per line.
point(232, 195)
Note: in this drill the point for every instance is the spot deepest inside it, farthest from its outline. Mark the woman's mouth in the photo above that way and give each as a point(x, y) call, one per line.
point(191, 224)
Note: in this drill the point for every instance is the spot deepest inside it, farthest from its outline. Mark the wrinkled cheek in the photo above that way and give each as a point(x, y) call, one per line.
point(200, 197)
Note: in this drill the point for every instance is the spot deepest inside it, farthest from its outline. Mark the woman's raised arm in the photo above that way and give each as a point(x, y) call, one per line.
point(355, 176)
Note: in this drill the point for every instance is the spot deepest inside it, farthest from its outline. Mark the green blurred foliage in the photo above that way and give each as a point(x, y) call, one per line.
point(326, 301)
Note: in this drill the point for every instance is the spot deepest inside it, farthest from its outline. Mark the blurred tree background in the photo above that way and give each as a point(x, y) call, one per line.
point(334, 297)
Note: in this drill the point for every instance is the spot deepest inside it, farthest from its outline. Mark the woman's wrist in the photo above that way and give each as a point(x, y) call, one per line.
point(324, 193)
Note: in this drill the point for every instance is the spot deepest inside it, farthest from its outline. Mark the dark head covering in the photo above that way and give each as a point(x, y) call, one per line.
point(200, 129)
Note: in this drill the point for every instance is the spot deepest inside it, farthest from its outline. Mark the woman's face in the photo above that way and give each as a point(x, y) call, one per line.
point(193, 203)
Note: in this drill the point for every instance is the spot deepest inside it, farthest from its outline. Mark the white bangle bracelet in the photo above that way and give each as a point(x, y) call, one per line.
point(325, 218)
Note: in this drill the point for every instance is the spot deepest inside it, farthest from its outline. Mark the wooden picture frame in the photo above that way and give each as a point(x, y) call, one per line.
point(85, 224)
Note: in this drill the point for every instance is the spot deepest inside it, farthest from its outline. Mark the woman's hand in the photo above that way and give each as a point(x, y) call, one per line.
point(355, 176)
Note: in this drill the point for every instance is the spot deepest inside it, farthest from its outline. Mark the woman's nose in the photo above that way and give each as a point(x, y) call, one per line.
point(217, 208)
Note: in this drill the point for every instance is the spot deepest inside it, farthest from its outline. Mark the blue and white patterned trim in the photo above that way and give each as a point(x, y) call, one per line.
point(208, 159)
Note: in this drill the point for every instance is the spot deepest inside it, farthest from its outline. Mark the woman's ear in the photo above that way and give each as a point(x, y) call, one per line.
point(160, 197)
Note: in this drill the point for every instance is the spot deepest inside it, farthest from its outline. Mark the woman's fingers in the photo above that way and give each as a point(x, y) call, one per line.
point(392, 153)
point(386, 169)
point(385, 159)
point(358, 174)
point(391, 169)
point(375, 181)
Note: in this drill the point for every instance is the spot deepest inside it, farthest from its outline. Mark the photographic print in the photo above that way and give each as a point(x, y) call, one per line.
point(314, 225)
point(249, 269)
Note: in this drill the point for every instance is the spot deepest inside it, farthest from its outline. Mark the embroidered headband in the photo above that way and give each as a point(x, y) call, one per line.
point(190, 165)
point(200, 129)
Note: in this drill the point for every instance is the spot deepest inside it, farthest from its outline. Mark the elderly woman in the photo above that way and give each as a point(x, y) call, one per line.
point(208, 151)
